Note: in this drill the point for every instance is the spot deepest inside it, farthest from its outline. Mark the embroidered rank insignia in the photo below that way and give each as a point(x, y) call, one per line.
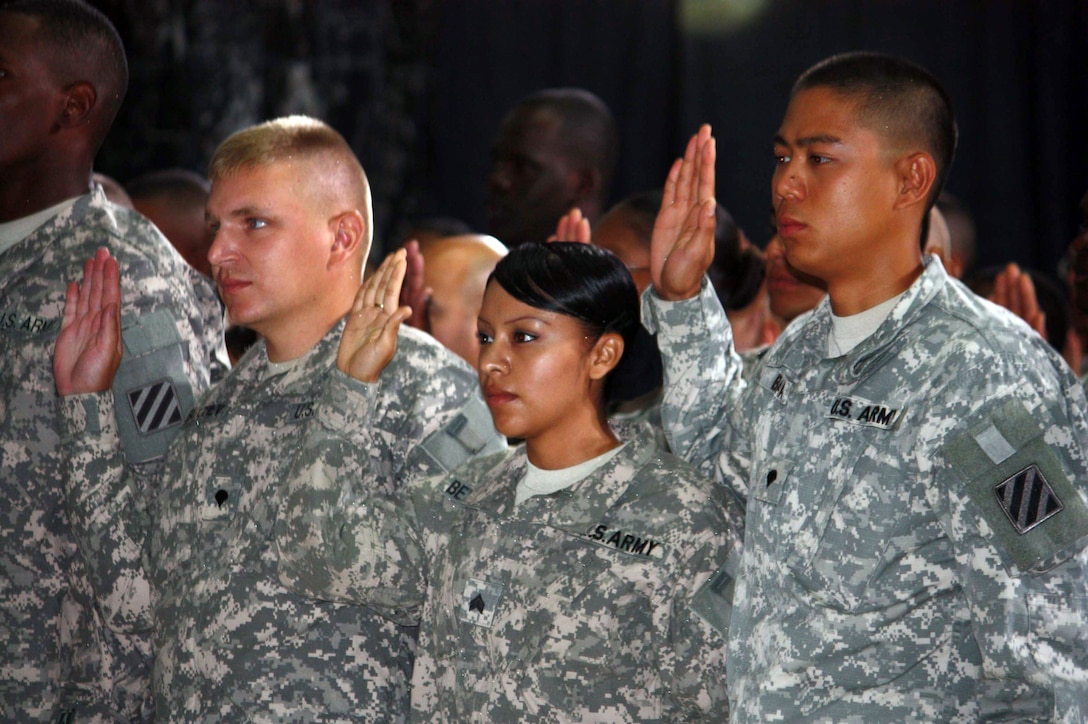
point(155, 407)
point(1027, 499)
point(221, 497)
point(479, 601)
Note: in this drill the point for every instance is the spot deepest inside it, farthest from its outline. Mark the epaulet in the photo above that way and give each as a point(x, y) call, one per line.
point(470, 433)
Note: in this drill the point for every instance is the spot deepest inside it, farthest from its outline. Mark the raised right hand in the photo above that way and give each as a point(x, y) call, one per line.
point(88, 349)
point(369, 340)
point(572, 226)
point(1014, 290)
point(682, 246)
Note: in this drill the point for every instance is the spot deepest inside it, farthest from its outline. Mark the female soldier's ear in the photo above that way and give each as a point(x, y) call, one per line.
point(605, 355)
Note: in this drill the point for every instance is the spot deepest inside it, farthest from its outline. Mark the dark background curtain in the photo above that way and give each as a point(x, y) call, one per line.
point(418, 87)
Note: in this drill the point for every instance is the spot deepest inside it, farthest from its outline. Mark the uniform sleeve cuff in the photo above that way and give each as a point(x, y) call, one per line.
point(659, 314)
point(346, 403)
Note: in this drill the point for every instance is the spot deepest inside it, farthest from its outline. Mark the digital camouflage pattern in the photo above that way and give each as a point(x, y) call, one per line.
point(578, 606)
point(232, 643)
point(57, 655)
point(916, 515)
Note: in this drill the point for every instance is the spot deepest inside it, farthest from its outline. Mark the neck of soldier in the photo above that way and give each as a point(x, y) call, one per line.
point(26, 191)
point(583, 435)
point(894, 264)
point(300, 334)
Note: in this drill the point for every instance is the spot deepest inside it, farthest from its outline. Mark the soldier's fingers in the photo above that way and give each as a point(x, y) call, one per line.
point(583, 234)
point(111, 290)
point(1029, 301)
point(668, 197)
point(84, 301)
point(391, 298)
point(115, 328)
point(102, 259)
point(706, 169)
point(560, 230)
point(699, 164)
point(687, 171)
point(374, 287)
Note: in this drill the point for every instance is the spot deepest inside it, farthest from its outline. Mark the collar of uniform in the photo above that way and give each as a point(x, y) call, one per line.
point(857, 363)
point(497, 493)
point(871, 351)
point(31, 249)
point(572, 509)
point(315, 362)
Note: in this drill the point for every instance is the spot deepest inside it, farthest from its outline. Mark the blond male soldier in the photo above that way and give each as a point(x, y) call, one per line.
point(916, 458)
point(63, 79)
point(290, 210)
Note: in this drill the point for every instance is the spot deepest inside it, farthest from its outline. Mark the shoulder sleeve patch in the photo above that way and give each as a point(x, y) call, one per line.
point(1021, 487)
point(152, 393)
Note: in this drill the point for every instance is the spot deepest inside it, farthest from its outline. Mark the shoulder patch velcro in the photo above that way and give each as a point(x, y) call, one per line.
point(1021, 487)
point(151, 388)
point(713, 602)
point(471, 432)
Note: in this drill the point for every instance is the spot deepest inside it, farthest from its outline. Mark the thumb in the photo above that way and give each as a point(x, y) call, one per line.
point(392, 325)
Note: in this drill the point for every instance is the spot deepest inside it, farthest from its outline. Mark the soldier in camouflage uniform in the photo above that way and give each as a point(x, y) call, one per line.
point(574, 578)
point(291, 209)
point(64, 79)
point(916, 518)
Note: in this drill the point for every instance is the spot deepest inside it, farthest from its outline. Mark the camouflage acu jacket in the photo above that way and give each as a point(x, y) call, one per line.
point(58, 656)
point(602, 602)
point(916, 520)
point(232, 643)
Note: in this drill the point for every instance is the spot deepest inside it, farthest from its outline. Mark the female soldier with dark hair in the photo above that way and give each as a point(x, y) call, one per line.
point(576, 577)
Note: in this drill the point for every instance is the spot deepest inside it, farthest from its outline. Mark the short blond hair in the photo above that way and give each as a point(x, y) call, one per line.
point(297, 139)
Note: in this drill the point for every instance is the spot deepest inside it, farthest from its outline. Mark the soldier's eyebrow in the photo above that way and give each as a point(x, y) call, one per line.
point(248, 211)
point(809, 140)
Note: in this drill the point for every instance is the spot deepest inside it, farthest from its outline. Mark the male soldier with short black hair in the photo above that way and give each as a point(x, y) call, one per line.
point(555, 150)
point(915, 458)
point(64, 76)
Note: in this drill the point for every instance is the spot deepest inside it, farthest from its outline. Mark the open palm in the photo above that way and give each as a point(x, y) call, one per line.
point(369, 340)
point(682, 245)
point(88, 349)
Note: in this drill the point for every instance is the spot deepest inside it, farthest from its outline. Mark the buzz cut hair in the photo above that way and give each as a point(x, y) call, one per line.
point(297, 138)
point(83, 45)
point(896, 98)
